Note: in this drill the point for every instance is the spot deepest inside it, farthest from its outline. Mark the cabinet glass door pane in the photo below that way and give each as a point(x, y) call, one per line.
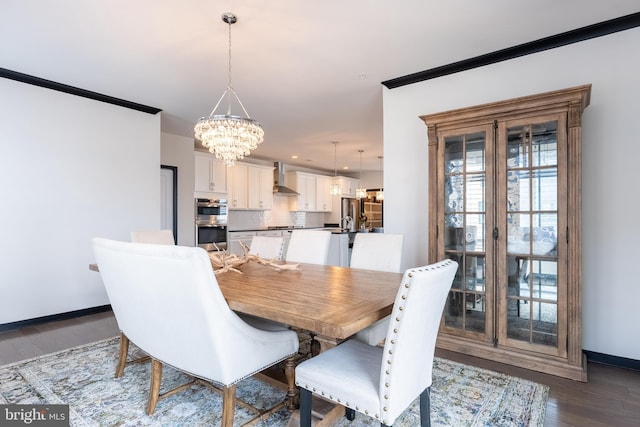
point(532, 233)
point(464, 229)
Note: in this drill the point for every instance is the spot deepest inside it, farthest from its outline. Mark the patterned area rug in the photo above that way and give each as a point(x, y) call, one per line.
point(83, 377)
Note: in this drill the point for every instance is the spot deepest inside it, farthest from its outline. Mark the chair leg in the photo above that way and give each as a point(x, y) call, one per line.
point(292, 391)
point(228, 402)
point(349, 413)
point(122, 358)
point(305, 407)
point(425, 408)
point(154, 386)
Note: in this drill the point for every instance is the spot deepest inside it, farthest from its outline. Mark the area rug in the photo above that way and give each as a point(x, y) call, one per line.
point(83, 377)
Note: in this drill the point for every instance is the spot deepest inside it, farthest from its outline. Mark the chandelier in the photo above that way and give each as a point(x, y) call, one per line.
point(335, 189)
point(361, 193)
point(227, 136)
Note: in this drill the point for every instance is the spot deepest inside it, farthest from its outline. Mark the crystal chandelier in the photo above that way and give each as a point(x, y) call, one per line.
point(361, 193)
point(229, 137)
point(380, 192)
point(335, 189)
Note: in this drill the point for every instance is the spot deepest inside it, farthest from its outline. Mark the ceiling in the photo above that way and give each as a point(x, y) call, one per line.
point(309, 71)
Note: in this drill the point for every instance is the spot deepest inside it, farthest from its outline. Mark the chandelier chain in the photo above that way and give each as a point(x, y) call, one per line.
point(229, 87)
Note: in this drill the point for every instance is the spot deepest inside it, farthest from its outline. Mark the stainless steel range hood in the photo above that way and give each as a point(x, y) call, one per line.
point(278, 182)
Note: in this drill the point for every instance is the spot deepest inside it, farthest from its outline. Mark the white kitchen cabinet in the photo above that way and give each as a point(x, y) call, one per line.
point(270, 233)
point(324, 200)
point(250, 187)
point(238, 186)
point(348, 186)
point(260, 187)
point(305, 184)
point(237, 238)
point(210, 176)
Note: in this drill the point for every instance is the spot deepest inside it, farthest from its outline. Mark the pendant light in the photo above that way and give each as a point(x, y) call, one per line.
point(335, 189)
point(380, 192)
point(361, 193)
point(228, 136)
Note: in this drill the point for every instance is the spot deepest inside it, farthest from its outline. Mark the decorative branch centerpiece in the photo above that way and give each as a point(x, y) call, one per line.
point(223, 261)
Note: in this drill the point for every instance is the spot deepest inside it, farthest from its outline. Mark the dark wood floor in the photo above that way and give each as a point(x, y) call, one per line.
point(610, 398)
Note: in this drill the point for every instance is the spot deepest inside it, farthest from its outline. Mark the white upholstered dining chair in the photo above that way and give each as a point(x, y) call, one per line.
point(383, 382)
point(158, 237)
point(309, 246)
point(167, 300)
point(267, 247)
point(380, 252)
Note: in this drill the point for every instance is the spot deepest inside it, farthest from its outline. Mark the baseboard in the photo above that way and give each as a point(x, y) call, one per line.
point(54, 317)
point(617, 361)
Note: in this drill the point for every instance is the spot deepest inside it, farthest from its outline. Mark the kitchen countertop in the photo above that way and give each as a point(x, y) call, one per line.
point(334, 230)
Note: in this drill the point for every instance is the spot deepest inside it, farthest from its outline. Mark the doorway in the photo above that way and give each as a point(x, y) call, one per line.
point(169, 199)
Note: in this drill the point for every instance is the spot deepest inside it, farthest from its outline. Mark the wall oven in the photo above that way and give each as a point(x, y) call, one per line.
point(211, 223)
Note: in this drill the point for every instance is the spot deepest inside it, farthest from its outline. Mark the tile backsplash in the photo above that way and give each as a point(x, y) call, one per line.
point(278, 216)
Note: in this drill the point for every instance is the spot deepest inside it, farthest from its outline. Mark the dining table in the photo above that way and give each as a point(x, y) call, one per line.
point(332, 303)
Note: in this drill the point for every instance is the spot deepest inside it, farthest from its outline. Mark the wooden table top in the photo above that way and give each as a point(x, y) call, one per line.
point(334, 302)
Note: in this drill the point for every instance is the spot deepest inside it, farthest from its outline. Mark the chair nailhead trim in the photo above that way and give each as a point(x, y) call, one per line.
point(385, 409)
point(401, 308)
point(390, 351)
point(406, 285)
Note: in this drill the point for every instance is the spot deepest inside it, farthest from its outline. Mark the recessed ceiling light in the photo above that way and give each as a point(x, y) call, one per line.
point(345, 167)
point(294, 157)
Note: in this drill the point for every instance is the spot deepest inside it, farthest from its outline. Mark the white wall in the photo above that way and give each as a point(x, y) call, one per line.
point(178, 151)
point(611, 146)
point(72, 168)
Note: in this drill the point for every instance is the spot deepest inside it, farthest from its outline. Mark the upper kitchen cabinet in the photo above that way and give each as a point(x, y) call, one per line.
point(324, 199)
point(210, 176)
point(305, 184)
point(260, 188)
point(505, 203)
point(250, 186)
point(238, 186)
point(348, 186)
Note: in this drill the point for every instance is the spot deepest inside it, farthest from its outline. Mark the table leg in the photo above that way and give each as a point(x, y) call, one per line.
point(321, 344)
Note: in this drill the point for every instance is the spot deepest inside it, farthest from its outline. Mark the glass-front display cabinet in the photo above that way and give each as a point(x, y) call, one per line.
point(504, 202)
